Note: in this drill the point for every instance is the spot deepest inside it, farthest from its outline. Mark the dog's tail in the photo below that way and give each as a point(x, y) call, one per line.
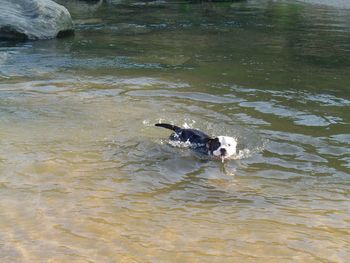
point(168, 126)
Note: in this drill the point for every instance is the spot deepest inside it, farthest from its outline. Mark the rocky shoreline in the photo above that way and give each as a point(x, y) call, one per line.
point(22, 20)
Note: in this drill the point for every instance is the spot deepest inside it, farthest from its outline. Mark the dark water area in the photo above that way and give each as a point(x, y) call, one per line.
point(85, 176)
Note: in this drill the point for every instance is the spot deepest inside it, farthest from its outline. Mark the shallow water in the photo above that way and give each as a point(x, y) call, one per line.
point(86, 177)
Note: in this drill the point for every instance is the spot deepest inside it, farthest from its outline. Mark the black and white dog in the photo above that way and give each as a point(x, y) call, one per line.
point(222, 147)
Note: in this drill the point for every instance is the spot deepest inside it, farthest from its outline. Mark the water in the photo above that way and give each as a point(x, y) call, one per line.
point(86, 177)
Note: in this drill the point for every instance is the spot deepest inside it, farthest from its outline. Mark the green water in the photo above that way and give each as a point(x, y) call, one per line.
point(86, 177)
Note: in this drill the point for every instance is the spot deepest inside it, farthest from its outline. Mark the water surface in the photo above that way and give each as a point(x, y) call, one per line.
point(86, 177)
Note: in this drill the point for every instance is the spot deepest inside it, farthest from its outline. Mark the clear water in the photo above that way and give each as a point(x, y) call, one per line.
point(86, 177)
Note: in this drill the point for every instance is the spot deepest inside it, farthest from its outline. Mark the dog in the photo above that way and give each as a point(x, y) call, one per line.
point(222, 147)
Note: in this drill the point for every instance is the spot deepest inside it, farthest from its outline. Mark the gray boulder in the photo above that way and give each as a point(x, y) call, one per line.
point(33, 19)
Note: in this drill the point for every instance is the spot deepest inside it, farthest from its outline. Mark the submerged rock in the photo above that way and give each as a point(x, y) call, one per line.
point(80, 8)
point(33, 19)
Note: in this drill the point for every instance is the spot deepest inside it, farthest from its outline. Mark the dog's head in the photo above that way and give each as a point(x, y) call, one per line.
point(222, 146)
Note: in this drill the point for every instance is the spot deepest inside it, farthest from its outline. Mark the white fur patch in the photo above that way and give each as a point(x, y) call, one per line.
point(230, 146)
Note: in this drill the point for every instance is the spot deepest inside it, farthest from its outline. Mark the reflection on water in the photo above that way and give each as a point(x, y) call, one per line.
point(85, 176)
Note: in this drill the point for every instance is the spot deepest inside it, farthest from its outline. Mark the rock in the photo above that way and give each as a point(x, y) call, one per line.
point(33, 19)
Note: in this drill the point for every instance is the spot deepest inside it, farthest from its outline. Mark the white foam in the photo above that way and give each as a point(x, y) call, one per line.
point(242, 154)
point(186, 144)
point(189, 126)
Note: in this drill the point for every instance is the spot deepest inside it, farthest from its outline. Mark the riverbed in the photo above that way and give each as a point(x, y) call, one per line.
point(86, 177)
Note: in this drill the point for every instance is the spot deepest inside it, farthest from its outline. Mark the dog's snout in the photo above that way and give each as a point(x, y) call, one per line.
point(223, 151)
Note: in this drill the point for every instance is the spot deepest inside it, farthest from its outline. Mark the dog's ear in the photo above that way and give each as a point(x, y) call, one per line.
point(213, 144)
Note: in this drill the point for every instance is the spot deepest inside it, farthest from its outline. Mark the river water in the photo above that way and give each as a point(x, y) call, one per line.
point(86, 177)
